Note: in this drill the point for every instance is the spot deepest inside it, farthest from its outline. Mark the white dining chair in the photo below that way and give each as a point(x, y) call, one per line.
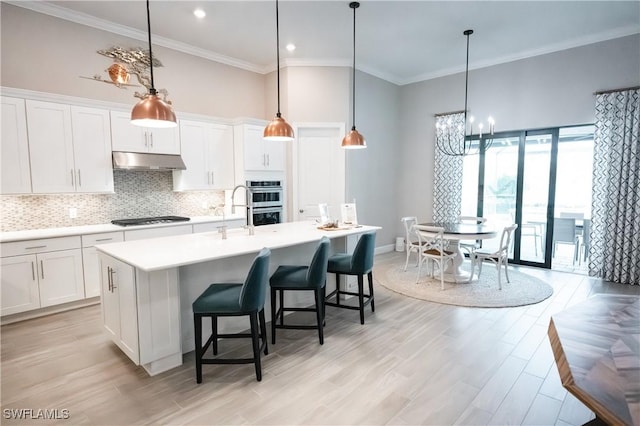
point(471, 245)
point(499, 257)
point(433, 249)
point(411, 244)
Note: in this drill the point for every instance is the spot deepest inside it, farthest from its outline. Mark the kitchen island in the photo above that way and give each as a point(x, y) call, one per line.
point(148, 285)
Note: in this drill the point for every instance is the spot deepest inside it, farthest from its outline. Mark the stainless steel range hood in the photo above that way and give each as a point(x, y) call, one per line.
point(143, 161)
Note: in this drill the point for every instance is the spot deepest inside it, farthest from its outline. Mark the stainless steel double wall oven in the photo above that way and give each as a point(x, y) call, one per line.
point(267, 199)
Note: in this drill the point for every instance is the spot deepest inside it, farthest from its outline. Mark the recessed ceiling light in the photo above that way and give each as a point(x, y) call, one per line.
point(291, 47)
point(199, 13)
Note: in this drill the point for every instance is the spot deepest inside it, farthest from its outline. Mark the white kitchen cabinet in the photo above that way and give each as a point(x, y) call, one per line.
point(92, 149)
point(19, 284)
point(141, 313)
point(258, 154)
point(82, 164)
point(14, 159)
point(129, 138)
point(207, 150)
point(90, 262)
point(119, 310)
point(60, 277)
point(41, 273)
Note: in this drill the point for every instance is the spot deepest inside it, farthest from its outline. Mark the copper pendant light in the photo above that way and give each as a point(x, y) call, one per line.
point(354, 140)
point(152, 111)
point(278, 129)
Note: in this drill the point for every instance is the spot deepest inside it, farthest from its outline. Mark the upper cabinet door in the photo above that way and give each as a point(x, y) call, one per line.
point(125, 136)
point(163, 141)
point(14, 166)
point(221, 157)
point(207, 151)
point(51, 147)
point(92, 149)
point(129, 138)
point(194, 136)
point(260, 154)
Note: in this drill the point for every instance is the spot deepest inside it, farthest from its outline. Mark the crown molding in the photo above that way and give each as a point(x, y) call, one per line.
point(122, 30)
point(571, 44)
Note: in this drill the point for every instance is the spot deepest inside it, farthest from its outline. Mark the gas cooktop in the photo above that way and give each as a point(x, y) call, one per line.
point(149, 220)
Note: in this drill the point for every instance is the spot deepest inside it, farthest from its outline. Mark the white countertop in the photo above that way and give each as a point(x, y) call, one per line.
point(96, 229)
point(170, 252)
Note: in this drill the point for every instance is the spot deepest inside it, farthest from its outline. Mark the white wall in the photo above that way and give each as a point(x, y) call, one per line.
point(46, 54)
point(548, 90)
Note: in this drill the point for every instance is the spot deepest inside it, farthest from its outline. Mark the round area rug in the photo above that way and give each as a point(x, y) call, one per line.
point(483, 292)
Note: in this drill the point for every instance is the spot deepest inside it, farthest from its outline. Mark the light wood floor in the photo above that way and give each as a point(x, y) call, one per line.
point(413, 362)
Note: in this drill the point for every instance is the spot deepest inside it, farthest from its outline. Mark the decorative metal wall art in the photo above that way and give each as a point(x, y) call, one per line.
point(129, 62)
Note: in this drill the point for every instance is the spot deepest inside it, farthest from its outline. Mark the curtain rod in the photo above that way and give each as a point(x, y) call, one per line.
point(605, 92)
point(448, 113)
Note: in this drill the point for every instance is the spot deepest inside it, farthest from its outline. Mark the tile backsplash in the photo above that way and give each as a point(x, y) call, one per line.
point(137, 194)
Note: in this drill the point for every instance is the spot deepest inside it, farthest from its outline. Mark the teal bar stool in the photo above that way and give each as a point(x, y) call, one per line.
point(301, 278)
point(231, 299)
point(359, 263)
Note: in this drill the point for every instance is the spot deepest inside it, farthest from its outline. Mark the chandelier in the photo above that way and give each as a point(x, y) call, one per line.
point(451, 137)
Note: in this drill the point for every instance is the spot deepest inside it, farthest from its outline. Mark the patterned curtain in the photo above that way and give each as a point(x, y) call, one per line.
point(614, 254)
point(447, 191)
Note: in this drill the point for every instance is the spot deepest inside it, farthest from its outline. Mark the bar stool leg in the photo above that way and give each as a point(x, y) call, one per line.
point(337, 289)
point(263, 330)
point(373, 306)
point(214, 333)
point(274, 316)
point(253, 317)
point(319, 299)
point(361, 297)
point(197, 330)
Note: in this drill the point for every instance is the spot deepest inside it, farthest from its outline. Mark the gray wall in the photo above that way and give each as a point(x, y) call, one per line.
point(548, 90)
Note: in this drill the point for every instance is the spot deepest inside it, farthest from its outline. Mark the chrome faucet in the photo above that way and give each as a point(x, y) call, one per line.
point(249, 206)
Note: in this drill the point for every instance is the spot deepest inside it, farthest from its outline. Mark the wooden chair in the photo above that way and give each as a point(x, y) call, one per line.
point(470, 246)
point(432, 243)
point(411, 244)
point(499, 257)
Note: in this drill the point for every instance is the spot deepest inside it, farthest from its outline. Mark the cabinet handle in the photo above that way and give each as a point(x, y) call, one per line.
point(151, 139)
point(72, 178)
point(79, 178)
point(146, 143)
point(112, 273)
point(34, 247)
point(33, 271)
point(208, 178)
point(213, 180)
point(268, 160)
point(109, 278)
point(104, 239)
point(42, 269)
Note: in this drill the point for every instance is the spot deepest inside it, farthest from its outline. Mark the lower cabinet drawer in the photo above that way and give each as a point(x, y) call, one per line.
point(17, 248)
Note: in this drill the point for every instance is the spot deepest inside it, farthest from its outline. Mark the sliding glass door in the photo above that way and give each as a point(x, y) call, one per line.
point(515, 181)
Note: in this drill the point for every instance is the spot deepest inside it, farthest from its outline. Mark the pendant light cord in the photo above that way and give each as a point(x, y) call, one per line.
point(466, 83)
point(152, 90)
point(278, 56)
point(354, 6)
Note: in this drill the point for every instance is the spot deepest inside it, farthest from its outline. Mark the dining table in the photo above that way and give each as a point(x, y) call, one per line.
point(454, 232)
